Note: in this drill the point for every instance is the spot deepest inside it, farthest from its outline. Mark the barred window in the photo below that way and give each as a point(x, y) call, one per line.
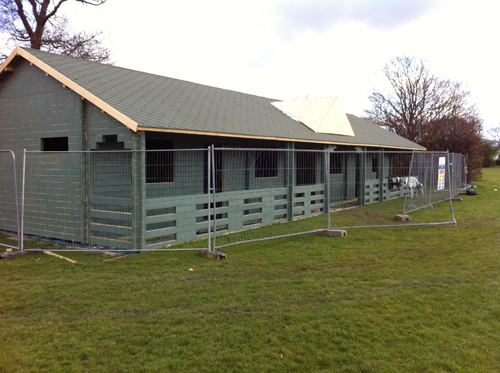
point(336, 163)
point(266, 163)
point(374, 162)
point(159, 164)
point(305, 164)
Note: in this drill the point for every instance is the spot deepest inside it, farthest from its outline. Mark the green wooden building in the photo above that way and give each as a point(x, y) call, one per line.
point(52, 103)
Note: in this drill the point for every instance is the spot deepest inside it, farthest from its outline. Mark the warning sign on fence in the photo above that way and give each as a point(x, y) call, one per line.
point(442, 165)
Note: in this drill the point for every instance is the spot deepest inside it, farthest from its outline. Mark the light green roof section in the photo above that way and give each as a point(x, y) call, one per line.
point(162, 103)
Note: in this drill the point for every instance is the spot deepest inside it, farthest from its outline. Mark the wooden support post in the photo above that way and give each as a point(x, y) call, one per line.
point(85, 175)
point(362, 178)
point(139, 193)
point(381, 178)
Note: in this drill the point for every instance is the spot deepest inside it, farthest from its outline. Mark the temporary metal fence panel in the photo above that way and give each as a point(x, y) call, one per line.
point(269, 193)
point(194, 199)
point(116, 200)
point(178, 205)
point(53, 201)
point(397, 188)
point(458, 173)
point(259, 191)
point(10, 226)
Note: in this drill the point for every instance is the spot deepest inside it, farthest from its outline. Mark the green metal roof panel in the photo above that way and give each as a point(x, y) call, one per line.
point(154, 101)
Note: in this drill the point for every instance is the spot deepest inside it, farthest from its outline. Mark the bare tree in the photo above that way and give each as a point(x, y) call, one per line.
point(491, 147)
point(416, 98)
point(37, 24)
point(460, 135)
point(494, 134)
point(430, 111)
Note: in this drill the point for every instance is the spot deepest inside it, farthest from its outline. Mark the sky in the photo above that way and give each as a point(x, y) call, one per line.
point(296, 49)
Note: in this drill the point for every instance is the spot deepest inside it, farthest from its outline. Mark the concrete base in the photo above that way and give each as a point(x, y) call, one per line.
point(212, 254)
point(411, 206)
point(110, 253)
point(457, 199)
point(332, 233)
point(403, 218)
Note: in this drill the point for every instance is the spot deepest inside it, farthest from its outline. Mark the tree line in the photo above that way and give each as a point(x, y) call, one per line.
point(430, 111)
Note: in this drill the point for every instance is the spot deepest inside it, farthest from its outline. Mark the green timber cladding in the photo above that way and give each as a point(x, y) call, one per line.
point(100, 107)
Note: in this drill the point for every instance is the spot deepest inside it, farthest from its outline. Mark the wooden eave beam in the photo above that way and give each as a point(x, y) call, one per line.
point(222, 134)
point(7, 61)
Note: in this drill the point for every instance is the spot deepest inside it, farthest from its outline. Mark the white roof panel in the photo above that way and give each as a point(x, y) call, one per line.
point(322, 115)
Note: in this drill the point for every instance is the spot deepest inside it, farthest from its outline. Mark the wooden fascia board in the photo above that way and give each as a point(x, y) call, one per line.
point(76, 88)
point(203, 133)
point(7, 61)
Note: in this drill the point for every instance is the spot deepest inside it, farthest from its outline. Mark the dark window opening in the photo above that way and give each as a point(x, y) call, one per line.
point(375, 162)
point(336, 163)
point(159, 164)
point(266, 163)
point(400, 164)
point(55, 144)
point(305, 163)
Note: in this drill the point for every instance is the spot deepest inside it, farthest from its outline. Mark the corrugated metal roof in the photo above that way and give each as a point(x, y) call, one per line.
point(152, 102)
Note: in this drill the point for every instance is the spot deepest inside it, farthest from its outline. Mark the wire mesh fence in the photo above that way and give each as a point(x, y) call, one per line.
point(115, 200)
point(268, 193)
point(10, 225)
point(190, 199)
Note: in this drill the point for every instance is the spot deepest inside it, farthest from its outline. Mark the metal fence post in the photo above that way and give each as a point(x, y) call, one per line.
point(16, 200)
point(22, 199)
point(450, 187)
point(209, 191)
point(406, 185)
point(327, 186)
point(19, 236)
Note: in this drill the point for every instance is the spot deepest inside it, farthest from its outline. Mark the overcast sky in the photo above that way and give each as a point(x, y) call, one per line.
point(292, 49)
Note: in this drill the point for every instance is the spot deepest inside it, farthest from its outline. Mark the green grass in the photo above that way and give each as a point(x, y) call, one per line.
point(408, 299)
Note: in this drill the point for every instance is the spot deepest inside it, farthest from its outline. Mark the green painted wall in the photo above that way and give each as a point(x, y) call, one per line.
point(34, 106)
point(103, 199)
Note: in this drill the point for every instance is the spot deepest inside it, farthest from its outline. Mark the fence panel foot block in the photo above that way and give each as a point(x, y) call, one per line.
point(403, 218)
point(333, 233)
point(212, 254)
point(18, 254)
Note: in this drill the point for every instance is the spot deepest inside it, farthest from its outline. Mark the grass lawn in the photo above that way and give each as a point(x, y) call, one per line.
point(407, 299)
